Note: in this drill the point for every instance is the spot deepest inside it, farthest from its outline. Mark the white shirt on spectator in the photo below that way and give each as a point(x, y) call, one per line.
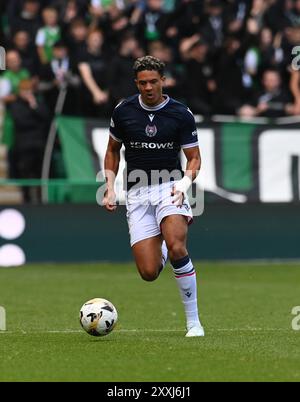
point(98, 3)
point(40, 39)
point(5, 88)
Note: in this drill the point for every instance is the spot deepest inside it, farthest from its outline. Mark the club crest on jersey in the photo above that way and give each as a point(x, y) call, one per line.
point(151, 131)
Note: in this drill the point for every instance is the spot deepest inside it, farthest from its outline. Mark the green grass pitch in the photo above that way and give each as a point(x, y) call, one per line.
point(245, 309)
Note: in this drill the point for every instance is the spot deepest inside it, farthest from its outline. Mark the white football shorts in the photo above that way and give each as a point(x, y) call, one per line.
point(148, 206)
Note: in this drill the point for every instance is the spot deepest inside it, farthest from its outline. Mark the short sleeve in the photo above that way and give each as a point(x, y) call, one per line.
point(40, 38)
point(115, 126)
point(188, 130)
point(82, 56)
point(5, 88)
point(96, 3)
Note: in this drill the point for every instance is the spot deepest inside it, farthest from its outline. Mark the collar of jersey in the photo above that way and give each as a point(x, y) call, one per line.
point(154, 108)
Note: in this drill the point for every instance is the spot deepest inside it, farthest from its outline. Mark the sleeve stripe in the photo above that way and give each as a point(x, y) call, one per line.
point(194, 144)
point(115, 138)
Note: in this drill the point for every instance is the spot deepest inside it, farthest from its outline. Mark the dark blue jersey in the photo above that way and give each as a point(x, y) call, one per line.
point(153, 136)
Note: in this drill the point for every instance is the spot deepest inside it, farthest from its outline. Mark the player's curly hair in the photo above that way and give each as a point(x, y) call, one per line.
point(149, 63)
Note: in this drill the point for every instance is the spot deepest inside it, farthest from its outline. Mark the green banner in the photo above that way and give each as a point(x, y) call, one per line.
point(78, 159)
point(241, 162)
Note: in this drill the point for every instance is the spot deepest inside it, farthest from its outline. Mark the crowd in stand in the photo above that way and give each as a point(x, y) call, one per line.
point(222, 56)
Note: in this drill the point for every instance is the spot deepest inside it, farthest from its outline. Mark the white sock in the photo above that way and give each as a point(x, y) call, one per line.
point(164, 251)
point(186, 279)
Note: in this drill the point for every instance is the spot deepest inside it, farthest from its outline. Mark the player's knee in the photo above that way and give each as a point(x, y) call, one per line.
point(176, 251)
point(149, 277)
point(148, 274)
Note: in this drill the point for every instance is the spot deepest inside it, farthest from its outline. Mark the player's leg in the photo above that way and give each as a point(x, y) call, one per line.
point(149, 248)
point(174, 229)
point(149, 257)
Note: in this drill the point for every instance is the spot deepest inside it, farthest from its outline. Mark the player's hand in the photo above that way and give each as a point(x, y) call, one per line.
point(179, 190)
point(178, 197)
point(109, 200)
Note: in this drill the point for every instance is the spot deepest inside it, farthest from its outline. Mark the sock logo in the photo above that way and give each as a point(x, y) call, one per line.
point(188, 294)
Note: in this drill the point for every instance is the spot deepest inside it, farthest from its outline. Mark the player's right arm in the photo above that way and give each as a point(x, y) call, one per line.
point(295, 90)
point(111, 167)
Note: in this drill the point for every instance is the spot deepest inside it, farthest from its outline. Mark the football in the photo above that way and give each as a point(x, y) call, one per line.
point(98, 317)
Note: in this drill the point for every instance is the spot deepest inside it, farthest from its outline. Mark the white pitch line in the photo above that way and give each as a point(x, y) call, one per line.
point(208, 330)
point(75, 331)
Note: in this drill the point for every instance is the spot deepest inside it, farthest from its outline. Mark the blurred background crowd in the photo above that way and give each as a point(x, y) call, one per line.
point(229, 57)
point(222, 56)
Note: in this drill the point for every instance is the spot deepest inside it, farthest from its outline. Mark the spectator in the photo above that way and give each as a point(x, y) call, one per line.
point(27, 52)
point(152, 23)
point(99, 7)
point(94, 70)
point(214, 26)
point(48, 35)
point(121, 67)
point(76, 37)
point(11, 78)
point(242, 39)
point(70, 11)
point(199, 84)
point(27, 19)
point(174, 80)
point(272, 101)
point(184, 21)
point(116, 26)
point(235, 16)
point(277, 16)
point(60, 72)
point(31, 120)
point(293, 14)
point(264, 52)
point(270, 50)
point(257, 12)
point(231, 92)
point(291, 30)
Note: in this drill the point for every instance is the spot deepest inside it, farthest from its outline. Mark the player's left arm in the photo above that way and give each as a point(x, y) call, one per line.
point(193, 162)
point(193, 167)
point(190, 146)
